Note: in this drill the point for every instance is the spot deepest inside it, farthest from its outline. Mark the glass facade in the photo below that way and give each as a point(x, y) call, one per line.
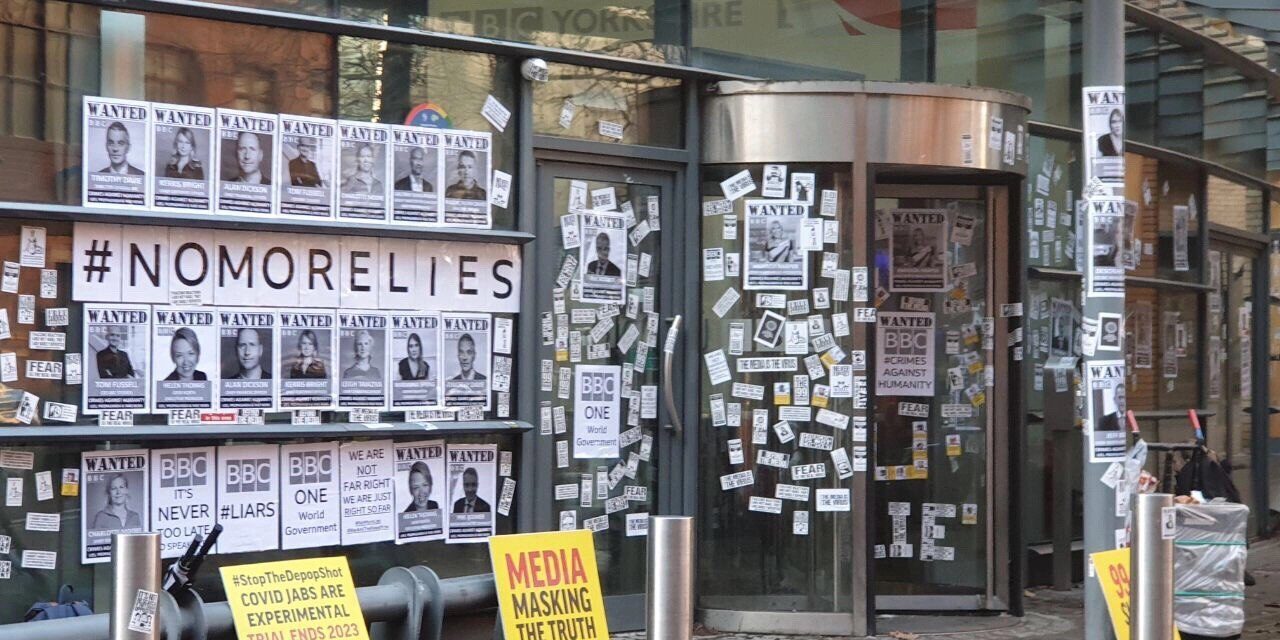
point(1200, 247)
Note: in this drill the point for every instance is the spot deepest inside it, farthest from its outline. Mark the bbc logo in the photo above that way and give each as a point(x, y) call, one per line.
point(597, 387)
point(310, 467)
point(184, 470)
point(247, 476)
point(906, 342)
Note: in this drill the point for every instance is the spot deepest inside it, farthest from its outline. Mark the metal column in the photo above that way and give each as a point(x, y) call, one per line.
point(1103, 58)
point(1151, 568)
point(135, 584)
point(668, 594)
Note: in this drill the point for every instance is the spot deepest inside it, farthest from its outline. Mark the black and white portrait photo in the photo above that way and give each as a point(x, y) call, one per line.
point(416, 170)
point(246, 156)
point(466, 358)
point(420, 489)
point(918, 250)
point(116, 143)
point(362, 359)
point(306, 359)
point(774, 258)
point(247, 339)
point(466, 178)
point(183, 357)
point(307, 148)
point(415, 356)
point(362, 170)
point(117, 341)
point(602, 254)
point(182, 168)
point(473, 485)
point(114, 498)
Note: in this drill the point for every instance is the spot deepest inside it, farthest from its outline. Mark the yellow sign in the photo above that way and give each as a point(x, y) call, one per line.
point(309, 599)
point(548, 586)
point(1112, 569)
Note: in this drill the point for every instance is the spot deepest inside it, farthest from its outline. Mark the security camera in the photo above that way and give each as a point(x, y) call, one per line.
point(534, 69)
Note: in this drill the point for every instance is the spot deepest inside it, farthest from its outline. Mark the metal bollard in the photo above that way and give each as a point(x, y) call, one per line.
point(668, 596)
point(135, 567)
point(1151, 570)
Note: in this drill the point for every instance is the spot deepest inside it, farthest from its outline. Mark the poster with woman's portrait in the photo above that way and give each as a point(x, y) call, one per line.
point(182, 158)
point(117, 340)
point(114, 498)
point(420, 491)
point(362, 359)
point(1104, 118)
point(415, 361)
point(185, 353)
point(305, 359)
point(918, 250)
point(775, 260)
point(362, 173)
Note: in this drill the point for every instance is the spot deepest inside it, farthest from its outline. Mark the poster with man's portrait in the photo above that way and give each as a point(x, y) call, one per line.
point(117, 340)
point(362, 359)
point(306, 163)
point(247, 340)
point(185, 353)
point(246, 162)
point(420, 491)
point(1105, 409)
point(114, 154)
point(1105, 241)
point(363, 193)
point(1061, 327)
point(602, 254)
point(775, 260)
point(305, 359)
point(417, 172)
point(467, 158)
point(918, 250)
point(465, 360)
point(1104, 116)
point(182, 158)
point(415, 360)
point(473, 487)
point(114, 498)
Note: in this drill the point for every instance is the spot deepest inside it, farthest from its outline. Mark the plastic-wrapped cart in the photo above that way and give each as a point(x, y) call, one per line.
point(1209, 551)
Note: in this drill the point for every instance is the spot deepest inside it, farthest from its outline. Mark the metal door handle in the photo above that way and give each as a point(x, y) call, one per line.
point(668, 395)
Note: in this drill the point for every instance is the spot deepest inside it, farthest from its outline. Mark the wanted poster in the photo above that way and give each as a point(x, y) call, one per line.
point(918, 250)
point(473, 482)
point(1104, 270)
point(247, 339)
point(1105, 409)
point(249, 498)
point(310, 496)
point(308, 147)
point(183, 497)
point(1181, 226)
point(114, 498)
point(1104, 134)
point(466, 157)
point(305, 359)
point(117, 137)
point(419, 466)
point(246, 160)
point(775, 260)
point(596, 410)
point(603, 247)
point(465, 359)
point(182, 158)
point(1061, 327)
point(1142, 335)
point(416, 170)
point(185, 351)
point(117, 339)
point(415, 361)
point(905, 354)
point(362, 356)
point(368, 495)
point(363, 170)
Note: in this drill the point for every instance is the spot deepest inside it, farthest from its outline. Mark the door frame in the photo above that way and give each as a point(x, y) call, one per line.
point(1258, 409)
point(1003, 467)
point(676, 491)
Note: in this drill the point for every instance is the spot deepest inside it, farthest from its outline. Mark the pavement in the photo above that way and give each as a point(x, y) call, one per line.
point(1052, 615)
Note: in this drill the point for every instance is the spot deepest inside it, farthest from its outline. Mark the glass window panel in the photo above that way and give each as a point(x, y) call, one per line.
point(1180, 109)
point(1235, 119)
point(1141, 72)
point(589, 104)
point(1164, 233)
point(1165, 374)
point(1234, 205)
point(1049, 203)
point(1052, 322)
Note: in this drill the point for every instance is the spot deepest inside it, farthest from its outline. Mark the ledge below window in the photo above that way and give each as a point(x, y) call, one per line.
point(43, 435)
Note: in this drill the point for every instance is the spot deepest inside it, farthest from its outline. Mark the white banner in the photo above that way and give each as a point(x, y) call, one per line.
point(309, 495)
point(183, 497)
point(129, 263)
point(249, 498)
point(596, 410)
point(368, 497)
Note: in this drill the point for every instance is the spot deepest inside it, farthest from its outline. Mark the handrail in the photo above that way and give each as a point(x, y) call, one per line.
point(403, 601)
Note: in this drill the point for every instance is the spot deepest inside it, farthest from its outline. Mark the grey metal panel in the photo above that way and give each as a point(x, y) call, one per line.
point(788, 622)
point(932, 603)
point(905, 123)
point(50, 433)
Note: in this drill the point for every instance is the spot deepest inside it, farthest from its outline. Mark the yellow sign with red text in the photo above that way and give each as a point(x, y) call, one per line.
point(548, 586)
point(1112, 569)
point(308, 599)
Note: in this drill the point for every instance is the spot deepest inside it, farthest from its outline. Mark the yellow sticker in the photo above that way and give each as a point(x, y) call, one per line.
point(1112, 571)
point(307, 598)
point(548, 585)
